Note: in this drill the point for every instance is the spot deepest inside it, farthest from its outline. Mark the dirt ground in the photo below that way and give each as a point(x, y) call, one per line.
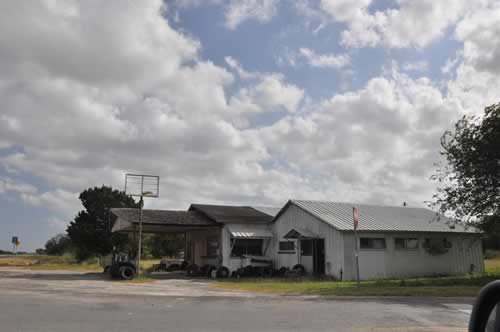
point(13, 280)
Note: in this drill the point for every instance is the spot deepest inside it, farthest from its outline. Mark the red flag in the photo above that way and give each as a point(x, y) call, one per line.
point(355, 217)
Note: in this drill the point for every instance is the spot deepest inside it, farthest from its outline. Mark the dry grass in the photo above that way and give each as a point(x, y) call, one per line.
point(50, 263)
point(147, 264)
point(60, 263)
point(492, 265)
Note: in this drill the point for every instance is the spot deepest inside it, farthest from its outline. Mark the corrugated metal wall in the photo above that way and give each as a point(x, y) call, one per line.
point(394, 263)
point(389, 263)
point(295, 217)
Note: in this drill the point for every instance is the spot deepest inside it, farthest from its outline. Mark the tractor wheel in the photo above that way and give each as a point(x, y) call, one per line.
point(126, 272)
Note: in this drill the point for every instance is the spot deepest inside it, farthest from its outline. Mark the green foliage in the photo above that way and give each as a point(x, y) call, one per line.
point(470, 181)
point(491, 227)
point(58, 245)
point(163, 245)
point(90, 232)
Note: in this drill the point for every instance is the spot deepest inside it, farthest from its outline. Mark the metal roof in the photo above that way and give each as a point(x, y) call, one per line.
point(377, 218)
point(232, 214)
point(269, 210)
point(250, 230)
point(163, 217)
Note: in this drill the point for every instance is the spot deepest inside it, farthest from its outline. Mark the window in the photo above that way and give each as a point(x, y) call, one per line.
point(212, 247)
point(372, 243)
point(287, 246)
point(406, 243)
point(247, 247)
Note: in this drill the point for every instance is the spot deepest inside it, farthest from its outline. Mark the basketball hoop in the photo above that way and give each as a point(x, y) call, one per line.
point(140, 185)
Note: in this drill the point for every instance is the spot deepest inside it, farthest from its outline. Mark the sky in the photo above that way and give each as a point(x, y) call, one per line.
point(249, 102)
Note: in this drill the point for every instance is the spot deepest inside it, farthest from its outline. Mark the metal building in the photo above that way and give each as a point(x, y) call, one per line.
point(393, 241)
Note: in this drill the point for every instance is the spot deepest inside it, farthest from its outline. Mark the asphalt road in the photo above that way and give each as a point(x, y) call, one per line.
point(29, 305)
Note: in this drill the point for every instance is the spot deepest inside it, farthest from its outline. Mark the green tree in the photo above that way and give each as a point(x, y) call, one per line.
point(163, 245)
point(469, 183)
point(90, 232)
point(58, 245)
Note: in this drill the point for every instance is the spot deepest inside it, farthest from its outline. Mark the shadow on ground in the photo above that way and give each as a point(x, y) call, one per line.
point(92, 276)
point(47, 275)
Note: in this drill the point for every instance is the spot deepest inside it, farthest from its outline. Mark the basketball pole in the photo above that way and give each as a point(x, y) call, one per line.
point(143, 192)
point(141, 203)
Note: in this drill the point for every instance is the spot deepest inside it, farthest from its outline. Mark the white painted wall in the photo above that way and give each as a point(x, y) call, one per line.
point(391, 263)
point(294, 217)
point(234, 263)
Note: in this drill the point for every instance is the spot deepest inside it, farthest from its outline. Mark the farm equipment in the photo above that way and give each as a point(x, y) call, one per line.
point(120, 266)
point(255, 266)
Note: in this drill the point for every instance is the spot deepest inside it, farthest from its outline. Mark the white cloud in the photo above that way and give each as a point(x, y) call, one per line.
point(242, 73)
point(129, 94)
point(90, 98)
point(239, 11)
point(9, 186)
point(265, 92)
point(451, 63)
point(324, 60)
point(376, 144)
point(419, 66)
point(480, 32)
point(60, 202)
point(410, 24)
point(270, 93)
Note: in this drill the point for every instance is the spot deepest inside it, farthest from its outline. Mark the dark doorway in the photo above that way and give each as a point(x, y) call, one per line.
point(319, 256)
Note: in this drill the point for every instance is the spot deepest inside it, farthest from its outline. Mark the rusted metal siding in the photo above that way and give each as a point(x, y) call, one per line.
point(294, 217)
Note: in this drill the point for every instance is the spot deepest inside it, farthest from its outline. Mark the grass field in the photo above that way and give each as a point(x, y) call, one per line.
point(444, 286)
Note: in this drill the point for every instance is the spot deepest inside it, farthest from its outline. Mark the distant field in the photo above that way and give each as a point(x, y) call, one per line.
point(59, 263)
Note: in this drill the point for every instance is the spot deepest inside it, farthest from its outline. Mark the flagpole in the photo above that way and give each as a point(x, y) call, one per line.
point(355, 217)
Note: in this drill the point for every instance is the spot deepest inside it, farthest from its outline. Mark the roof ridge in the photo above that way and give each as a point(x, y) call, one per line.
point(357, 203)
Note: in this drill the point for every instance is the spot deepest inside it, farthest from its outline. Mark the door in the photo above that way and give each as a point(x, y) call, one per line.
point(306, 255)
point(319, 256)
